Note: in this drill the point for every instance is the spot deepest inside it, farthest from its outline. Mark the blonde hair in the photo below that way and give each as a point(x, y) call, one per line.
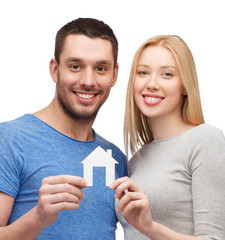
point(137, 127)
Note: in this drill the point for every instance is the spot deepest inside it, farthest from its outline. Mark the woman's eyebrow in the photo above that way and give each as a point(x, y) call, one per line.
point(168, 66)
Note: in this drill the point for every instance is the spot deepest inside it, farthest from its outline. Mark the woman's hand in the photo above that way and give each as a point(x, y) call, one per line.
point(133, 203)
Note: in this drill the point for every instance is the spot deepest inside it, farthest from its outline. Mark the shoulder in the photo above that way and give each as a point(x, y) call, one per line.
point(208, 130)
point(17, 131)
point(18, 123)
point(206, 133)
point(13, 128)
point(207, 147)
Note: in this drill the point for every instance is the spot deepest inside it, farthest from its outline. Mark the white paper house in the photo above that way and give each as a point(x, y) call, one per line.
point(99, 158)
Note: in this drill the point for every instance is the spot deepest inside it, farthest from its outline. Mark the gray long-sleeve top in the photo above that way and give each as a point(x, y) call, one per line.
point(184, 179)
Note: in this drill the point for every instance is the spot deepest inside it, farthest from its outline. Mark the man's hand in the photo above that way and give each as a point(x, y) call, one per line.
point(58, 193)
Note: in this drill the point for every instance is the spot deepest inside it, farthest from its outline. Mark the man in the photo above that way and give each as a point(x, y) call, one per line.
point(43, 194)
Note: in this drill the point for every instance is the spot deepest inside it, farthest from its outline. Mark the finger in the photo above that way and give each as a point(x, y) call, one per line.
point(73, 180)
point(60, 188)
point(62, 197)
point(117, 182)
point(128, 197)
point(141, 204)
point(58, 207)
point(125, 186)
point(122, 182)
point(121, 195)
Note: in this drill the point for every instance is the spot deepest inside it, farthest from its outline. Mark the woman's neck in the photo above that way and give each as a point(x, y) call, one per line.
point(168, 127)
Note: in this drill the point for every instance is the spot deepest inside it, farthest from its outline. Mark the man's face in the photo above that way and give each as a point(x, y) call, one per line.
point(84, 75)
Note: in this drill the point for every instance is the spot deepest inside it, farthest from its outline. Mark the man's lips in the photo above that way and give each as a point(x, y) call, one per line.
point(85, 97)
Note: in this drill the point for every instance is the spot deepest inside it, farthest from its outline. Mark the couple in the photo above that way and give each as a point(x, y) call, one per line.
point(176, 179)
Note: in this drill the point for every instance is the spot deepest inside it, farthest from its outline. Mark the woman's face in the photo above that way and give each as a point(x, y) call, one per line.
point(158, 89)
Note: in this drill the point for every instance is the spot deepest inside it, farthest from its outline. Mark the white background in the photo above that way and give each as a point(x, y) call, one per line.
point(27, 33)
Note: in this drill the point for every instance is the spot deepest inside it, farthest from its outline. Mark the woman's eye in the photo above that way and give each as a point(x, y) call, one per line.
point(142, 73)
point(167, 74)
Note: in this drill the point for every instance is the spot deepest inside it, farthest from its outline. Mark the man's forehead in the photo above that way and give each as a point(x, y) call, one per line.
point(80, 40)
point(81, 47)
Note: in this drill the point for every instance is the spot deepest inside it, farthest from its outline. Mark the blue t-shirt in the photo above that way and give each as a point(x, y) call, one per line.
point(31, 150)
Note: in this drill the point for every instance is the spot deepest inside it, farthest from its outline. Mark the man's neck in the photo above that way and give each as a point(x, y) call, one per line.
point(79, 129)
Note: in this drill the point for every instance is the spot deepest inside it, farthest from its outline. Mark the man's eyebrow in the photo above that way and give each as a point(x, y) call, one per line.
point(72, 59)
point(79, 60)
point(104, 62)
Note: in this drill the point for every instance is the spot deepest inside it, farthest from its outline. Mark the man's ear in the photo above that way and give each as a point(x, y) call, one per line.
point(53, 68)
point(115, 74)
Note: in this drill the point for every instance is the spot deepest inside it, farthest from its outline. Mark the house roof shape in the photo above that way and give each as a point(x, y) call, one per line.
point(100, 158)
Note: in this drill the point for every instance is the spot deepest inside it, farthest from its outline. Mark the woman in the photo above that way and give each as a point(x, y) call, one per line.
point(181, 163)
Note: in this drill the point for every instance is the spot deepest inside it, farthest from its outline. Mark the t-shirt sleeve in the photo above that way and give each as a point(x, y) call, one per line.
point(208, 182)
point(123, 169)
point(9, 164)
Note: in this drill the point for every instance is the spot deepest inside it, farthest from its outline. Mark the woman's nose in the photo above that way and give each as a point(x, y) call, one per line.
point(153, 83)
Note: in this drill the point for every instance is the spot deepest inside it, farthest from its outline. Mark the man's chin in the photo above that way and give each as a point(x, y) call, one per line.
point(83, 115)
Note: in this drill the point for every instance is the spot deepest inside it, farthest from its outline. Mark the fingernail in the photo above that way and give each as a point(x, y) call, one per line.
point(84, 182)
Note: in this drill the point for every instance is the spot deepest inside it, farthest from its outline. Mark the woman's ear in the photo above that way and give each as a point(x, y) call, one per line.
point(53, 68)
point(184, 92)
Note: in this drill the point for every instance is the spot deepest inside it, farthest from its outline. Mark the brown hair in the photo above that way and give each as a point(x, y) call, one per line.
point(89, 27)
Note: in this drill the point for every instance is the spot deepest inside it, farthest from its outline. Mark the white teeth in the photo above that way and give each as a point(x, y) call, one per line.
point(86, 96)
point(153, 99)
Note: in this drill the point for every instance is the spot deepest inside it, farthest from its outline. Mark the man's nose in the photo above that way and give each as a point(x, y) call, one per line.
point(88, 78)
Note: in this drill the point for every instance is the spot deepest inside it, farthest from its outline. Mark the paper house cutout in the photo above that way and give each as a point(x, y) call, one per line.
point(99, 158)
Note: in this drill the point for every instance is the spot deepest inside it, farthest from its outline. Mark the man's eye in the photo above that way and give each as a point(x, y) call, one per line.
point(101, 69)
point(75, 67)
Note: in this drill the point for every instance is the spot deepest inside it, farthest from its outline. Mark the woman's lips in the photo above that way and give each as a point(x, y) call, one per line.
point(152, 100)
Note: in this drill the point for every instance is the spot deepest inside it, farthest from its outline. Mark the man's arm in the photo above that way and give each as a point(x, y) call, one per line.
point(57, 193)
point(27, 227)
point(16, 230)
point(6, 204)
